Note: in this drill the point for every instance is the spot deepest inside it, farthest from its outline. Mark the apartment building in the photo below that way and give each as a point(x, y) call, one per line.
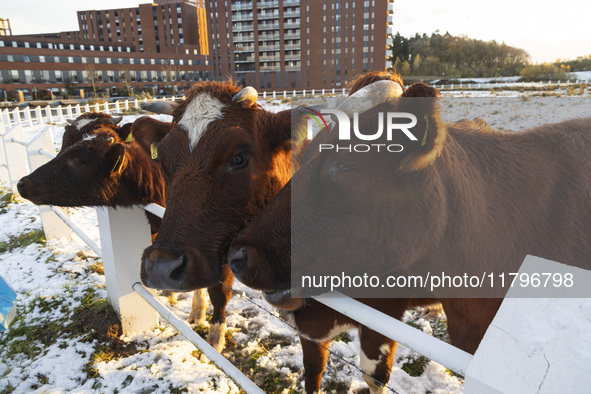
point(297, 44)
point(115, 51)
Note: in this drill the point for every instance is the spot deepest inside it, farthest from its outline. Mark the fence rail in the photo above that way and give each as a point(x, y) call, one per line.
point(48, 114)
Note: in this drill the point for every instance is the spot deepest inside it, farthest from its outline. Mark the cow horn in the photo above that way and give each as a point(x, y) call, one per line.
point(160, 107)
point(372, 95)
point(246, 97)
point(116, 119)
point(70, 121)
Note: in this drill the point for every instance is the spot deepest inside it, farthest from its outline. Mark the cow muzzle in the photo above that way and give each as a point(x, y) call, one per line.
point(165, 269)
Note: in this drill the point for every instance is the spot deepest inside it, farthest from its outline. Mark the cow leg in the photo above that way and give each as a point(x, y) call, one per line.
point(315, 357)
point(468, 320)
point(376, 359)
point(219, 296)
point(198, 307)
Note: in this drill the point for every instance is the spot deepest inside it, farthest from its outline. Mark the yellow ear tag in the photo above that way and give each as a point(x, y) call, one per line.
point(153, 151)
point(129, 138)
point(117, 164)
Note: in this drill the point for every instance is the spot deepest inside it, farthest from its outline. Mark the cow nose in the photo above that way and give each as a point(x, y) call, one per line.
point(237, 260)
point(21, 186)
point(165, 270)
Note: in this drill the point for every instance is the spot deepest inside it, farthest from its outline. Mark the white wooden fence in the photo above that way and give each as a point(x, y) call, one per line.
point(125, 233)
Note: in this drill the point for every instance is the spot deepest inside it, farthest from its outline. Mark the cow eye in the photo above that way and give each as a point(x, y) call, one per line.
point(345, 164)
point(238, 161)
point(76, 163)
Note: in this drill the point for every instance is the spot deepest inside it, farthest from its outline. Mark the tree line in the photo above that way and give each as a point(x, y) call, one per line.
point(446, 56)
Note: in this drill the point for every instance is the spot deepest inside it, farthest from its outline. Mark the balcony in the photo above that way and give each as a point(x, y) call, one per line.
point(248, 59)
point(273, 26)
point(274, 15)
point(243, 37)
point(242, 17)
point(241, 6)
point(268, 37)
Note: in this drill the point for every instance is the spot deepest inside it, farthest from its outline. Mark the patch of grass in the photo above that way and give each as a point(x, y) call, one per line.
point(416, 367)
point(22, 240)
point(343, 337)
point(5, 200)
point(8, 389)
point(97, 268)
point(335, 386)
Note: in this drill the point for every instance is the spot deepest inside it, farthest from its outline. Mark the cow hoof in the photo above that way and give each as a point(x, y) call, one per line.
point(217, 336)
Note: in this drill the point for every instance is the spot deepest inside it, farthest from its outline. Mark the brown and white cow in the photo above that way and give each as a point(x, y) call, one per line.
point(468, 196)
point(223, 160)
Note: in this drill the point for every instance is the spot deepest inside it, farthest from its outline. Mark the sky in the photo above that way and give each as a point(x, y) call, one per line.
point(547, 30)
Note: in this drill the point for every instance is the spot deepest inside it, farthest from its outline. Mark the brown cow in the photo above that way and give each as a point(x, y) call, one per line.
point(223, 161)
point(101, 164)
point(462, 199)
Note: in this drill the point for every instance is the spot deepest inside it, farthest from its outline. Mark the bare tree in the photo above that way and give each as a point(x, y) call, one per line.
point(169, 74)
point(124, 76)
point(95, 77)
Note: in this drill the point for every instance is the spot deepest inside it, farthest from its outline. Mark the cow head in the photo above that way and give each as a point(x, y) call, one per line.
point(223, 161)
point(82, 174)
point(402, 187)
point(85, 124)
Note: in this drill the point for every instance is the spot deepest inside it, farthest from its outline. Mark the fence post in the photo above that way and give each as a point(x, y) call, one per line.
point(16, 156)
point(274, 94)
point(60, 114)
point(53, 226)
point(304, 93)
point(106, 107)
point(86, 107)
point(344, 91)
point(136, 104)
point(77, 110)
point(294, 93)
point(126, 105)
point(264, 94)
point(285, 93)
point(323, 92)
point(6, 117)
point(69, 112)
point(49, 114)
point(27, 115)
point(312, 92)
point(117, 108)
point(125, 234)
point(16, 116)
point(39, 115)
point(4, 176)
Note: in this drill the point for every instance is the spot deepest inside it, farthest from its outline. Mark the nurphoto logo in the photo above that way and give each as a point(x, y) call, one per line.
point(388, 122)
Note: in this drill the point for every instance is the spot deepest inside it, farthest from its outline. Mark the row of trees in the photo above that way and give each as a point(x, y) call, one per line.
point(447, 56)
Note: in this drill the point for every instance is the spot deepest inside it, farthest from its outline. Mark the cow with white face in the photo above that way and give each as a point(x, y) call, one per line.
point(223, 161)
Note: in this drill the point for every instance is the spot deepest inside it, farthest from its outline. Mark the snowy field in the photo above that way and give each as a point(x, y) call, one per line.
point(65, 337)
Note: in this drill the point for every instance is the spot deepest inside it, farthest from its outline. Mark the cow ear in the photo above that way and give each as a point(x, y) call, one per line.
point(115, 158)
point(430, 132)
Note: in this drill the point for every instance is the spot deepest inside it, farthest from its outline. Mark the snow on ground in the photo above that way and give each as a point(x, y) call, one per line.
point(59, 281)
point(54, 279)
